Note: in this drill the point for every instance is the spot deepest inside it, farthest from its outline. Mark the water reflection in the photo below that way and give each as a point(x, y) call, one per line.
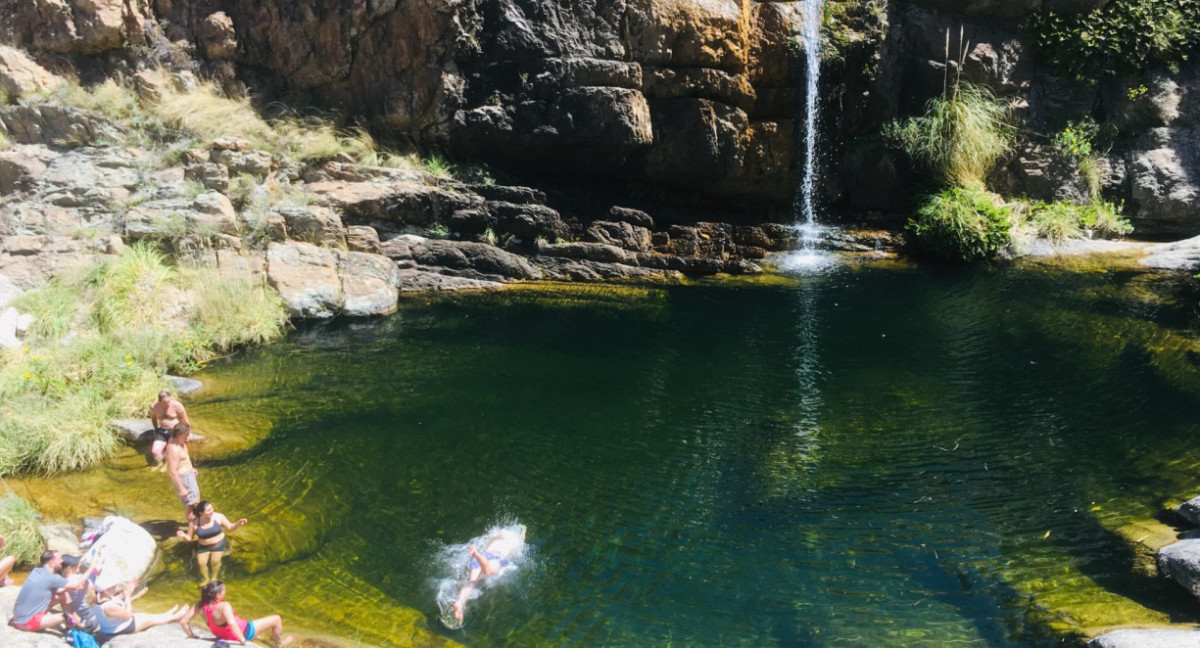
point(861, 457)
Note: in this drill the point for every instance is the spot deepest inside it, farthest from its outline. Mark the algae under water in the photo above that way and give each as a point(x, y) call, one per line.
point(865, 456)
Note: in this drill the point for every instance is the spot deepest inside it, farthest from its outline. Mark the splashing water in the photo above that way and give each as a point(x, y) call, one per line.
point(452, 565)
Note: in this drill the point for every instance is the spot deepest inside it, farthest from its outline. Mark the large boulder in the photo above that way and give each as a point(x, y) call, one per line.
point(1181, 563)
point(306, 277)
point(313, 224)
point(1164, 173)
point(369, 283)
point(128, 551)
point(21, 76)
point(472, 260)
point(72, 26)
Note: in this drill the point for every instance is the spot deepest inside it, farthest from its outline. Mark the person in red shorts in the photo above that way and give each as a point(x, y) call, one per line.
point(33, 601)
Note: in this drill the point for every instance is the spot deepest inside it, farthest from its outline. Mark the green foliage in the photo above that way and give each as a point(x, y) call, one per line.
point(53, 309)
point(131, 289)
point(1057, 221)
point(439, 230)
point(1104, 219)
point(19, 526)
point(439, 166)
point(960, 138)
point(1121, 37)
point(1077, 137)
point(234, 312)
point(108, 339)
point(962, 224)
point(1062, 220)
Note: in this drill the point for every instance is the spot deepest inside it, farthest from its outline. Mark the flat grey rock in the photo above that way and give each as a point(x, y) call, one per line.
point(184, 386)
point(1179, 255)
point(1181, 562)
point(1040, 247)
point(132, 430)
point(1147, 639)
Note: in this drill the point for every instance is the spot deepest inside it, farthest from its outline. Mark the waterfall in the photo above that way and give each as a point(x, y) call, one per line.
point(810, 38)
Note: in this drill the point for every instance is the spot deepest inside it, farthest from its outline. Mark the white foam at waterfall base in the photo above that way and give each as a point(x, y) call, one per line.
point(451, 565)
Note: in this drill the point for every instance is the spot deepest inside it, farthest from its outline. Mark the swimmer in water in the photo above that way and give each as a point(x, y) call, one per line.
point(488, 562)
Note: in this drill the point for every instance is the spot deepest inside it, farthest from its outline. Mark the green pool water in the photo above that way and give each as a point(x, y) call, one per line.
point(857, 456)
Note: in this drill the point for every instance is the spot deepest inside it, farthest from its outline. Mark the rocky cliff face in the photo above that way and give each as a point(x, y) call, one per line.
point(698, 95)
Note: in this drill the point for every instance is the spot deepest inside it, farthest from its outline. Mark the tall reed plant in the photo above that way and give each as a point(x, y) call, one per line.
point(960, 138)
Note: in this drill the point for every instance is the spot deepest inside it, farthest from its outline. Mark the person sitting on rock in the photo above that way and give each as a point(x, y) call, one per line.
point(115, 615)
point(209, 527)
point(226, 624)
point(75, 604)
point(165, 414)
point(30, 613)
point(6, 565)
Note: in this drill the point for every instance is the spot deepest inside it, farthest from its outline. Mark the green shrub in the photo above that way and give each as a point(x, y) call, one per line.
point(131, 290)
point(233, 312)
point(1104, 219)
point(19, 526)
point(1057, 221)
point(1121, 37)
point(960, 138)
point(53, 308)
point(962, 224)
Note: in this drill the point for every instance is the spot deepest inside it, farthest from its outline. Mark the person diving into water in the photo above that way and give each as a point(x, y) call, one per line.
point(495, 558)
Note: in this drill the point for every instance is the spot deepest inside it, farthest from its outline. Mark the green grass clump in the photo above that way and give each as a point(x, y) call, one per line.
point(19, 526)
point(963, 224)
point(1057, 221)
point(1104, 219)
point(53, 308)
point(108, 338)
point(1062, 220)
point(131, 289)
point(233, 312)
point(960, 138)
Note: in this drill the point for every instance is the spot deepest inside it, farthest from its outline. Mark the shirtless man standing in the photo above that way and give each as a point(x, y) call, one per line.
point(165, 414)
point(181, 470)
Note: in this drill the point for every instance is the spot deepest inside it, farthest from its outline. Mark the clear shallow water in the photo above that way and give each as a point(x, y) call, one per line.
point(863, 456)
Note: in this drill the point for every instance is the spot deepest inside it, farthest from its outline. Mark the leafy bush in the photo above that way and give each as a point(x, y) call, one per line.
point(962, 224)
point(960, 138)
point(1121, 37)
point(19, 526)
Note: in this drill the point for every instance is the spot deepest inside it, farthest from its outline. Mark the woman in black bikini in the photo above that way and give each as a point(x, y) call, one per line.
point(209, 527)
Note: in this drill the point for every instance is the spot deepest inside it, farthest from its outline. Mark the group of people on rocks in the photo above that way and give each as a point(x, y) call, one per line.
point(58, 594)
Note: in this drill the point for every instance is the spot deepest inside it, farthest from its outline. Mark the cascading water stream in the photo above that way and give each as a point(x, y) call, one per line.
point(804, 204)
